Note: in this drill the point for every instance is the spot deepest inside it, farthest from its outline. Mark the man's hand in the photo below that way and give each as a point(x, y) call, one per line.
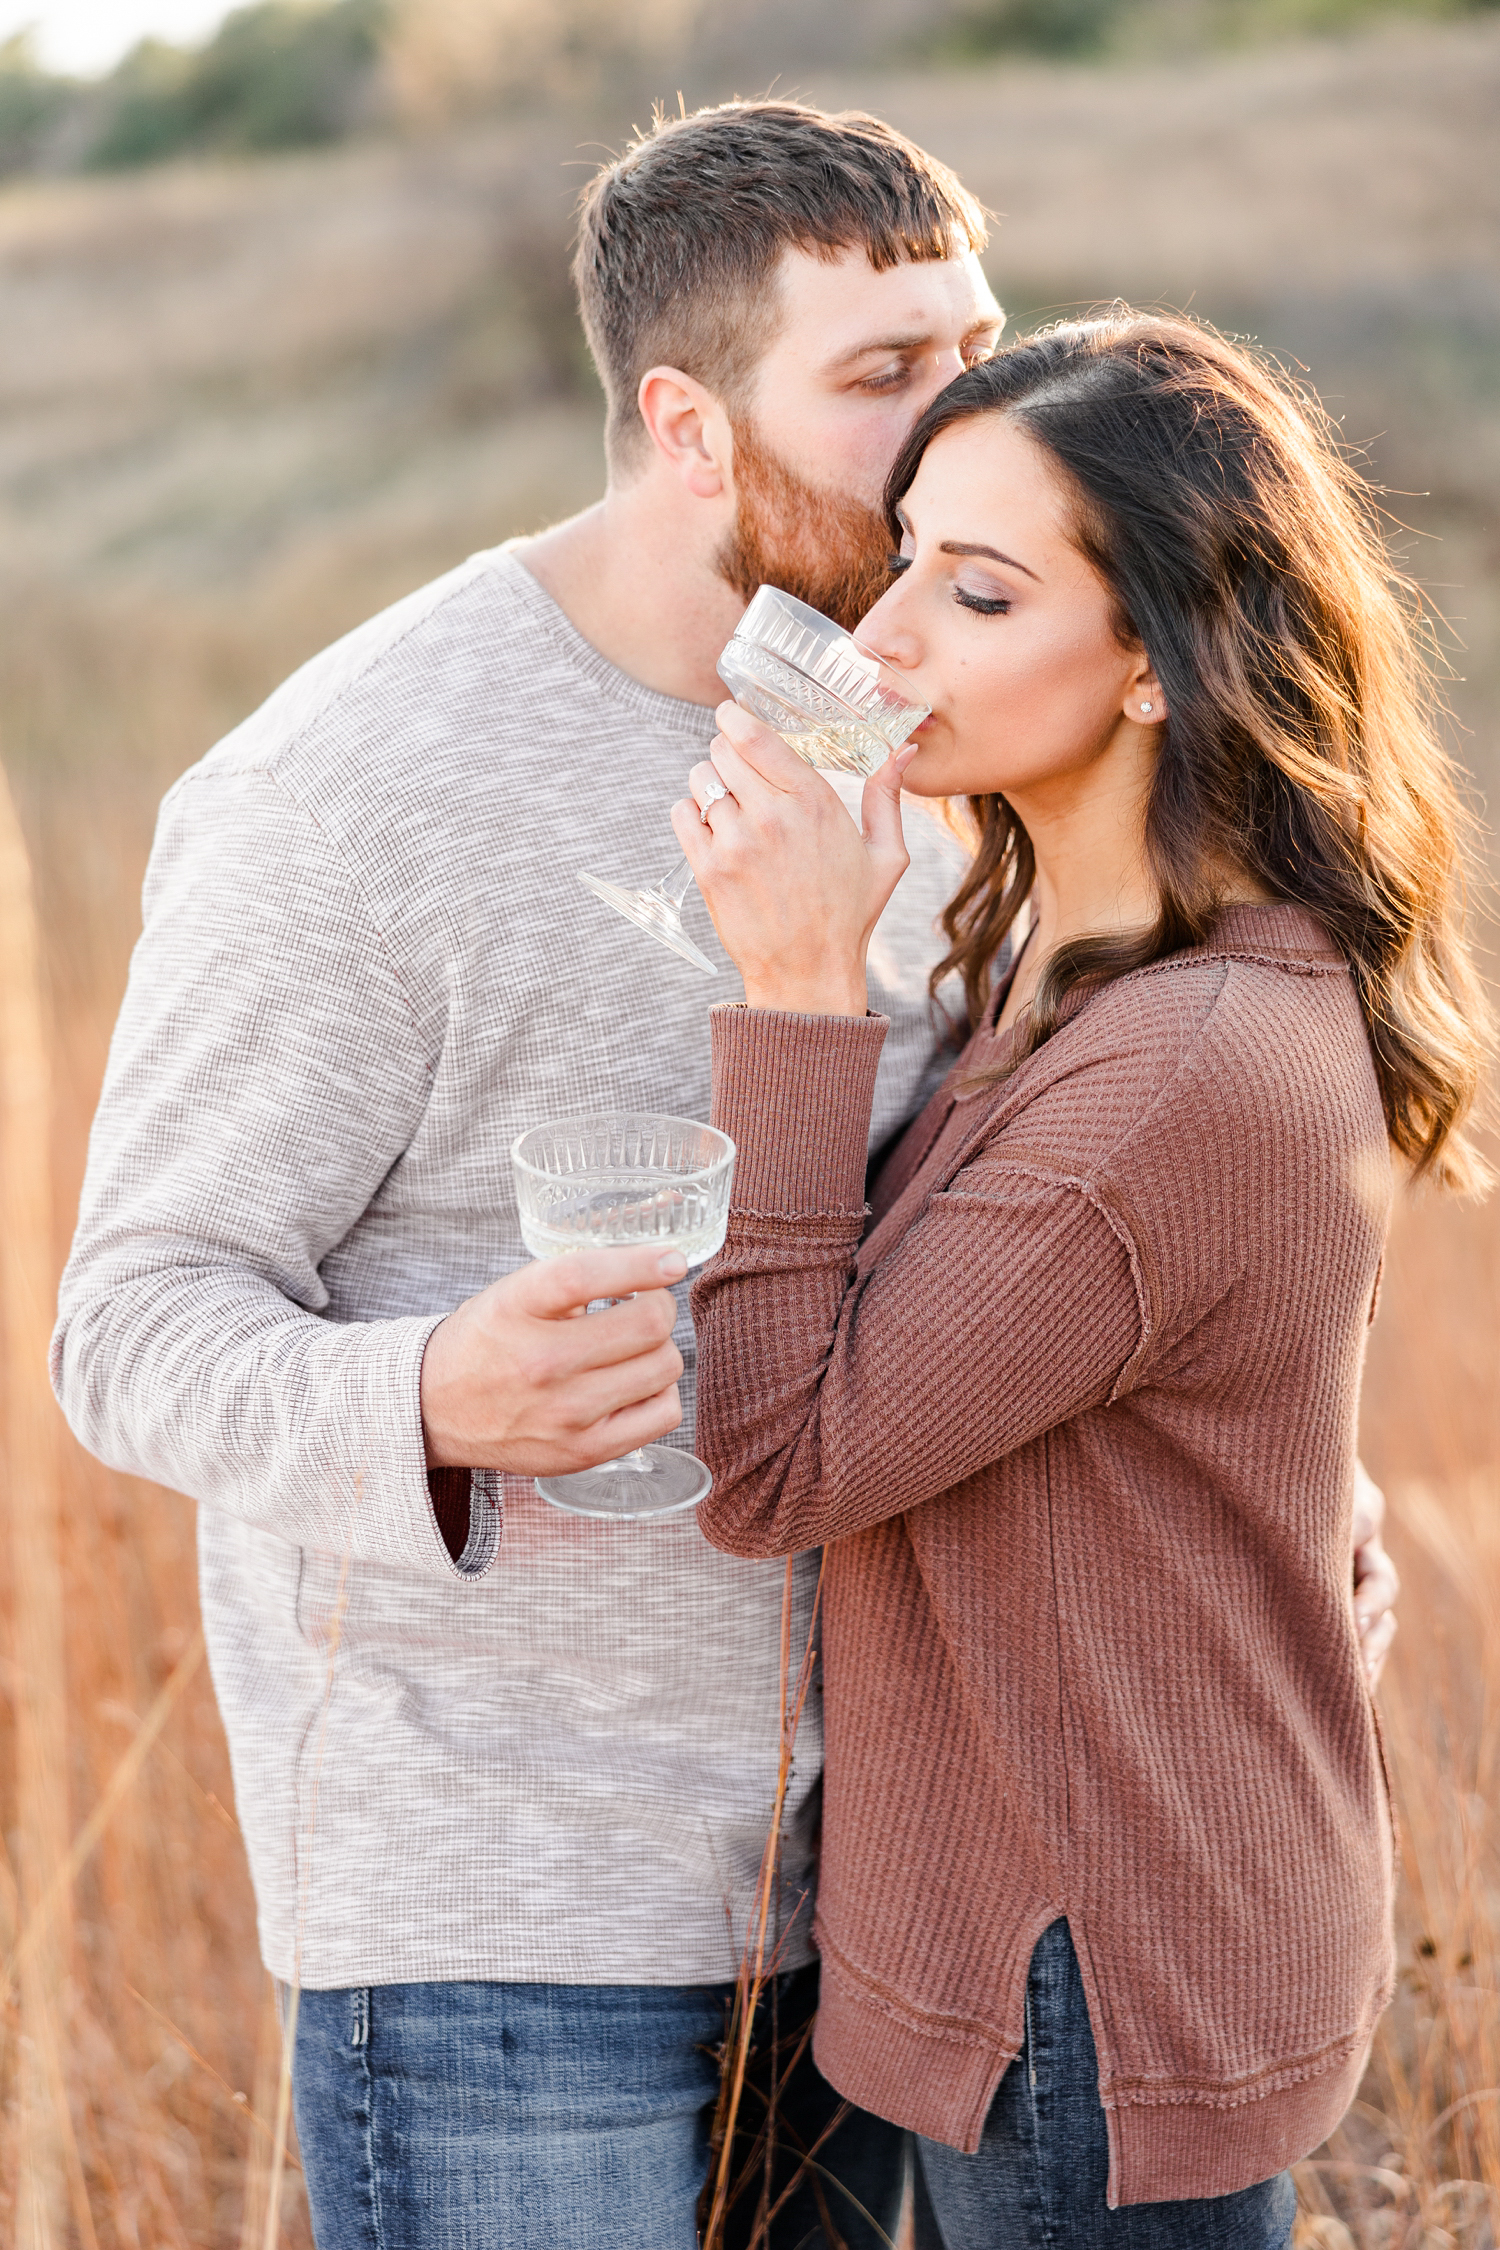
point(1375, 1582)
point(519, 1378)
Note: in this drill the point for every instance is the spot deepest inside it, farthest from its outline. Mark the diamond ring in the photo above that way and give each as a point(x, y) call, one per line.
point(712, 792)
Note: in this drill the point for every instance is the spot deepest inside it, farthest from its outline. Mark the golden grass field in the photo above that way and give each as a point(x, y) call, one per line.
point(242, 407)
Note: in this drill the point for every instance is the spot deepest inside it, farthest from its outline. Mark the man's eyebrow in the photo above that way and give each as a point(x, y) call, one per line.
point(913, 340)
point(969, 547)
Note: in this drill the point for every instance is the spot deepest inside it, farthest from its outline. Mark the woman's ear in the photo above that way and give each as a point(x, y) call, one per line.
point(1144, 702)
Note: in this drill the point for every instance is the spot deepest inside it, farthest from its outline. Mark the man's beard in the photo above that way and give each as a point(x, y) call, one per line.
point(830, 551)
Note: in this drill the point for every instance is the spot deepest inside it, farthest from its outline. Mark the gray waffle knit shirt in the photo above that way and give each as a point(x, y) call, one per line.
point(365, 967)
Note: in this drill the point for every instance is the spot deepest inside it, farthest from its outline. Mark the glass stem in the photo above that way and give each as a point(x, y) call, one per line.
point(675, 887)
point(636, 1461)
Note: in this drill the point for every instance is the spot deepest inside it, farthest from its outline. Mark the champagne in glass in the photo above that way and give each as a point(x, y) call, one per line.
point(620, 1179)
point(827, 695)
point(830, 698)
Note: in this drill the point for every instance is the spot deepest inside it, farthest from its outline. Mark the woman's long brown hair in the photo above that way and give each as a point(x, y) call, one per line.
point(1244, 554)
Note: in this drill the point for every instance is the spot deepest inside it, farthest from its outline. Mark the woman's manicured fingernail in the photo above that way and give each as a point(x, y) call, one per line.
point(673, 1266)
point(904, 757)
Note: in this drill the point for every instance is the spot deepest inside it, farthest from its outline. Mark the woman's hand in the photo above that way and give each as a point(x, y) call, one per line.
point(794, 887)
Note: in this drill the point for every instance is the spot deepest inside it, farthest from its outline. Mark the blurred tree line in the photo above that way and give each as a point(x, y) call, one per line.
point(284, 74)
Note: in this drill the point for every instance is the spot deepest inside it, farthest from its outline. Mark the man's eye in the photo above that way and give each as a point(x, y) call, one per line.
point(889, 379)
point(895, 564)
point(987, 606)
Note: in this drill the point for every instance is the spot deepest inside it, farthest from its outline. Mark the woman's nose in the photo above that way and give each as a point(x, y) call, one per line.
point(884, 632)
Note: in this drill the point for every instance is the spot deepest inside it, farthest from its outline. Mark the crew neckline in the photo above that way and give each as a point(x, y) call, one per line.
point(645, 703)
point(1278, 928)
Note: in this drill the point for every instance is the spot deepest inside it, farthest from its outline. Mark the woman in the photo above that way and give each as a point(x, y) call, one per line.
point(1105, 1901)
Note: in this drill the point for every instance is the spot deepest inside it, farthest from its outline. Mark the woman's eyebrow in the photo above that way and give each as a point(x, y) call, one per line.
point(966, 547)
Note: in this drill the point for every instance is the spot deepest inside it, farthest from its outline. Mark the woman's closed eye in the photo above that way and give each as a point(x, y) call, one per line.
point(987, 605)
point(984, 605)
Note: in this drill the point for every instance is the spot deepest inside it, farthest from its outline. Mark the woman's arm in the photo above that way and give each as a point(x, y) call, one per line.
point(828, 1402)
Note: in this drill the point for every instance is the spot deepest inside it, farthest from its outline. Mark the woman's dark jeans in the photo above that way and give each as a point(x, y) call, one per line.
point(1037, 2180)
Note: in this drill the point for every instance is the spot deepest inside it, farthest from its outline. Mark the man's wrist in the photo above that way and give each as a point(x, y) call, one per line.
point(438, 1453)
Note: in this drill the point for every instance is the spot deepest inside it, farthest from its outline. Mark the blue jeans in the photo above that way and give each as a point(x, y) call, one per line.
point(533, 2116)
point(1037, 2179)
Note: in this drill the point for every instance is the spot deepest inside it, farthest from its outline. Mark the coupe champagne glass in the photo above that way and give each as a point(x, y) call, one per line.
point(614, 1180)
point(828, 696)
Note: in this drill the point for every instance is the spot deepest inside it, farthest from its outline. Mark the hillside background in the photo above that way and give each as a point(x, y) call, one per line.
point(251, 392)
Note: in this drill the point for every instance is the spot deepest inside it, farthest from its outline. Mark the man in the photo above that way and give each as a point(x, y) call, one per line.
point(504, 1774)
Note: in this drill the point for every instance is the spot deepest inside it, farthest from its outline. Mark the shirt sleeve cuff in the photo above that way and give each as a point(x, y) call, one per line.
point(794, 1094)
point(403, 1496)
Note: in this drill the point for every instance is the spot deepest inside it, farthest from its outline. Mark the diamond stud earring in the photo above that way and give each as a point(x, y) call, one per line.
point(1147, 707)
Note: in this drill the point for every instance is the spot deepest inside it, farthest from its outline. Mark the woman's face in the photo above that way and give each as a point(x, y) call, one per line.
point(1001, 625)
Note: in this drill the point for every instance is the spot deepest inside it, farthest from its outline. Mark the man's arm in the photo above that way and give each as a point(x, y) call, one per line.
point(266, 1075)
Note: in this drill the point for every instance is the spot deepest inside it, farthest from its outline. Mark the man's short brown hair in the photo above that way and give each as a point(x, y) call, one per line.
point(680, 235)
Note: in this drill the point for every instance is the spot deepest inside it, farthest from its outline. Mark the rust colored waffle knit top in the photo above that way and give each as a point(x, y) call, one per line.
point(1077, 1418)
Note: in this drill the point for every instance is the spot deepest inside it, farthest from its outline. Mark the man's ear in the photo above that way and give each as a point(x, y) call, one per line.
point(689, 430)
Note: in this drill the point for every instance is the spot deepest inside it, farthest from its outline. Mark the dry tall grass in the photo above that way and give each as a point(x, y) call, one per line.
point(135, 2012)
point(238, 410)
point(1418, 2160)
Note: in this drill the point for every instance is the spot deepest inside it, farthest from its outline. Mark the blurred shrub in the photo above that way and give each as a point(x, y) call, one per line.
point(31, 103)
point(278, 74)
point(1049, 27)
point(144, 107)
point(447, 57)
point(291, 73)
point(972, 28)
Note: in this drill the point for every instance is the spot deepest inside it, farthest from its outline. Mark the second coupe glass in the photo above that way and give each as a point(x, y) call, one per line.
point(618, 1179)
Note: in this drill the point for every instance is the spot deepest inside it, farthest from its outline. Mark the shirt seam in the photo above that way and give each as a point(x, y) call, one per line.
point(274, 780)
point(1253, 2086)
point(1294, 964)
point(1128, 2093)
point(928, 2023)
point(471, 571)
point(1118, 1226)
point(826, 1218)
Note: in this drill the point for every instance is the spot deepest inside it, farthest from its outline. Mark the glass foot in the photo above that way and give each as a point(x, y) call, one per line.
point(654, 910)
point(659, 1480)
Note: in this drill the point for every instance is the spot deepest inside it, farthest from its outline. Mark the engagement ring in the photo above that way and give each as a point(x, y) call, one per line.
point(712, 792)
